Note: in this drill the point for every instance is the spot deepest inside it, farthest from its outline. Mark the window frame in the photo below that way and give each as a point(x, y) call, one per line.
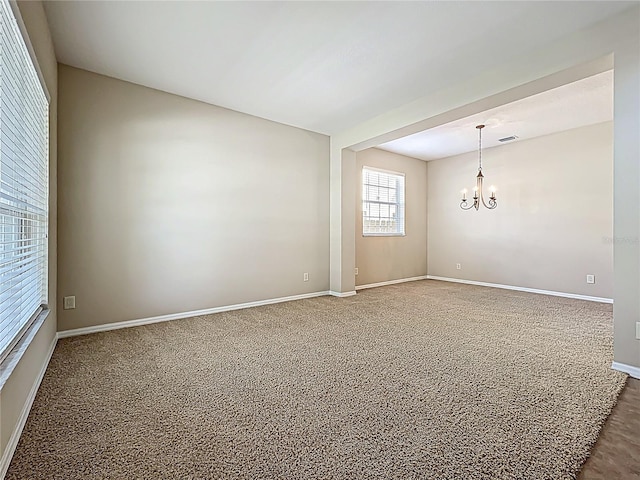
point(19, 338)
point(400, 203)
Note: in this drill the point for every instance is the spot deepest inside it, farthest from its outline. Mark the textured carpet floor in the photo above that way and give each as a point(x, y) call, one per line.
point(425, 380)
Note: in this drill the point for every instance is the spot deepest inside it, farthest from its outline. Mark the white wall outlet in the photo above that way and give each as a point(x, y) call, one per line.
point(305, 277)
point(356, 270)
point(591, 279)
point(637, 330)
point(458, 267)
point(69, 303)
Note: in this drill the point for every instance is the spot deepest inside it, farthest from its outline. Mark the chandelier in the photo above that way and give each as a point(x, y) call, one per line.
point(478, 196)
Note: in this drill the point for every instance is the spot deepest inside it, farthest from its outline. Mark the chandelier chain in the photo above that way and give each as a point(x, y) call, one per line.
point(480, 150)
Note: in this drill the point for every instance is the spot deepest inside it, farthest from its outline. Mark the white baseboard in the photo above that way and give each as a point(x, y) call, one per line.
point(343, 294)
point(630, 369)
point(390, 282)
point(7, 455)
point(523, 289)
point(177, 316)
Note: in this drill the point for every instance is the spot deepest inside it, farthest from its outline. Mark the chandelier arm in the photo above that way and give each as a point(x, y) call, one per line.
point(492, 203)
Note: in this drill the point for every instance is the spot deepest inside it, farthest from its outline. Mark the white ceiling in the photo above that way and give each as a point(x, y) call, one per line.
point(323, 66)
point(585, 102)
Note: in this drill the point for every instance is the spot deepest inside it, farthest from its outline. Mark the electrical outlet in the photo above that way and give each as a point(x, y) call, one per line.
point(305, 277)
point(458, 267)
point(591, 279)
point(637, 330)
point(356, 270)
point(69, 303)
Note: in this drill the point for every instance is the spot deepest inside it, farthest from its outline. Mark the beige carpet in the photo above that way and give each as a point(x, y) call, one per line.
point(425, 380)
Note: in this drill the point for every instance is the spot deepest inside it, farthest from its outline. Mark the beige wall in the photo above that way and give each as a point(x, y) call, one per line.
point(554, 220)
point(169, 205)
point(380, 259)
point(15, 391)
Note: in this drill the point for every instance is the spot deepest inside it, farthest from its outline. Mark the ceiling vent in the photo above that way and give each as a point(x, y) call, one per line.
point(507, 139)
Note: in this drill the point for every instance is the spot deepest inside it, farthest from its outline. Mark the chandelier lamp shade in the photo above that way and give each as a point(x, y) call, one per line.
point(478, 195)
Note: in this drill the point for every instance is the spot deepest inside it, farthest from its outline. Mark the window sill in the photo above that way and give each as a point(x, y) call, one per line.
point(9, 364)
point(384, 234)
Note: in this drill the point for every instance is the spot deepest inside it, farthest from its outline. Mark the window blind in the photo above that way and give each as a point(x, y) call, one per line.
point(24, 170)
point(382, 202)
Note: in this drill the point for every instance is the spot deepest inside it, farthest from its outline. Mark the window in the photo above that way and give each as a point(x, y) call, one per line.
point(382, 202)
point(24, 193)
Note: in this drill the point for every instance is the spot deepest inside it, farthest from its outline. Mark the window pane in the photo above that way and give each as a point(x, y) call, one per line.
point(382, 203)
